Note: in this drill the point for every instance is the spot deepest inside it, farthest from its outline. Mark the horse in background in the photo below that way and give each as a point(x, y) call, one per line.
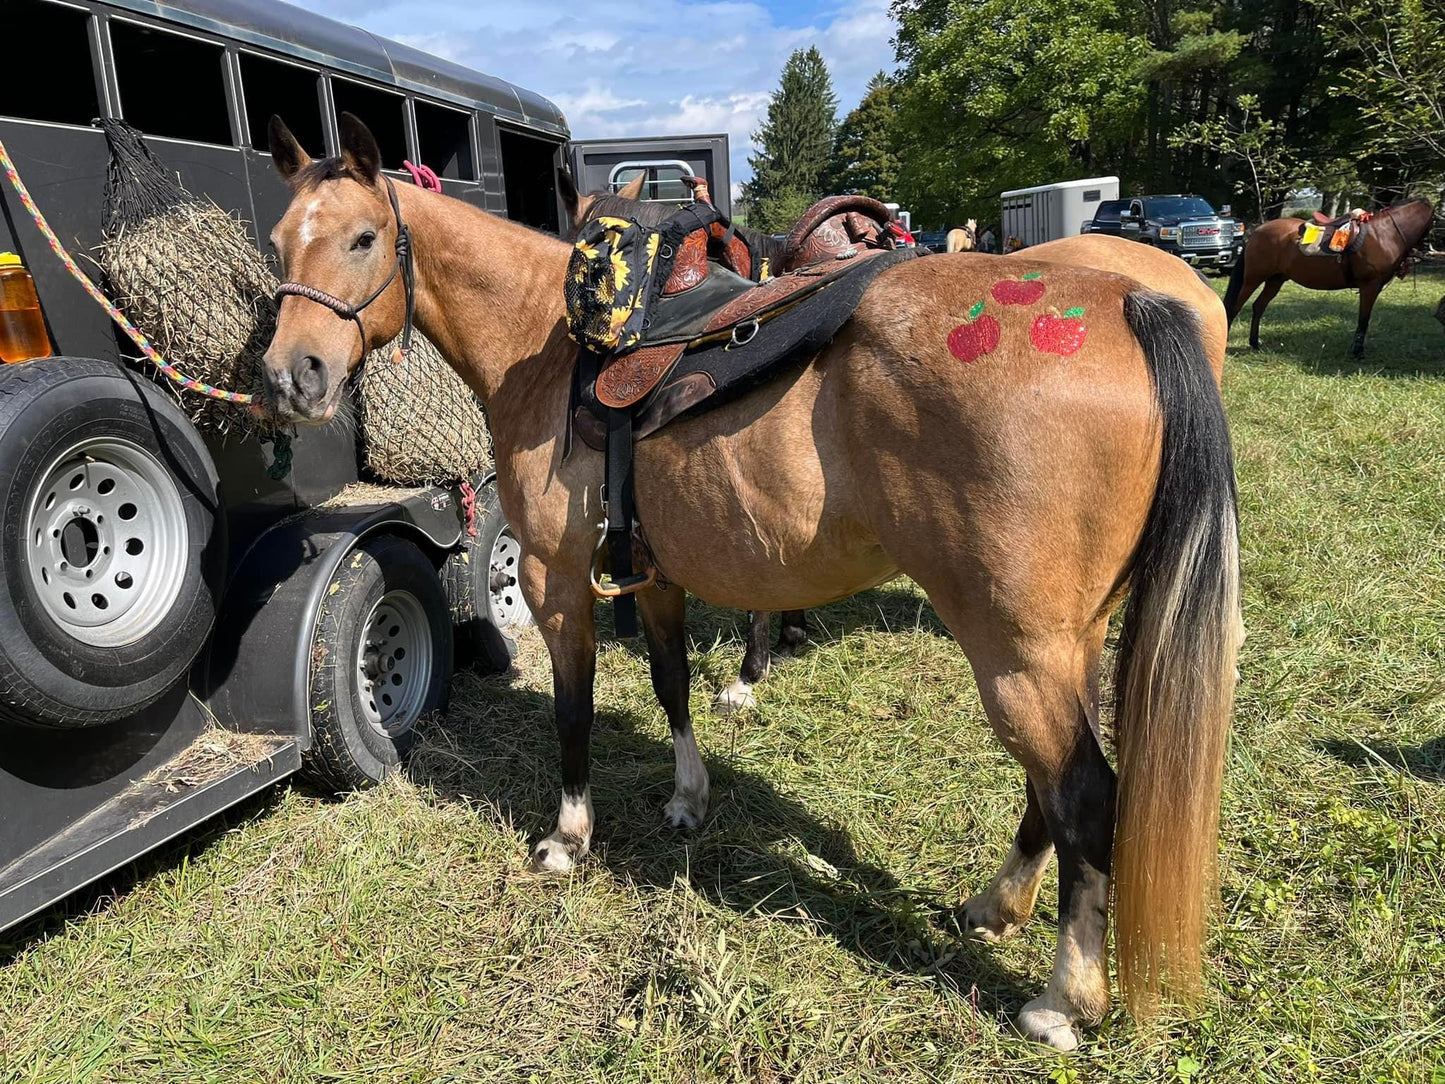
point(1272, 255)
point(964, 238)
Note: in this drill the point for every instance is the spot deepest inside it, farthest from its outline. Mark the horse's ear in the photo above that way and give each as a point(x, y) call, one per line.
point(359, 151)
point(633, 188)
point(567, 189)
point(286, 150)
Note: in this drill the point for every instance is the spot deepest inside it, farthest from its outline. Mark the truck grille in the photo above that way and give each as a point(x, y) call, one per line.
point(1207, 235)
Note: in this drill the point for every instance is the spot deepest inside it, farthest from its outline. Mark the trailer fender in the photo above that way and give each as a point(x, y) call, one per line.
point(257, 673)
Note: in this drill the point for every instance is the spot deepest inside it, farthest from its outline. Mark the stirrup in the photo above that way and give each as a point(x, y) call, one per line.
point(603, 585)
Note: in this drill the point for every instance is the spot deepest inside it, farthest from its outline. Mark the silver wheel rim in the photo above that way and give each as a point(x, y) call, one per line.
point(394, 663)
point(107, 542)
point(504, 599)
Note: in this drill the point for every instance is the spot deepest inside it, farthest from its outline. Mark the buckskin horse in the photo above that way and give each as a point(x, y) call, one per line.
point(1029, 461)
point(1272, 255)
point(1165, 273)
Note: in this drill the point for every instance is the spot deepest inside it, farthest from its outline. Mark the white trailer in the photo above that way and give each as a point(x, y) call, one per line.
point(1047, 212)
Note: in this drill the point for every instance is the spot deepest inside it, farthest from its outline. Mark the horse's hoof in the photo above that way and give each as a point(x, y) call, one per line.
point(1044, 1025)
point(982, 921)
point(790, 642)
point(684, 811)
point(556, 855)
point(736, 697)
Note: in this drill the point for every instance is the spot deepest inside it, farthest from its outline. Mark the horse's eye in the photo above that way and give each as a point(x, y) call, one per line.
point(365, 240)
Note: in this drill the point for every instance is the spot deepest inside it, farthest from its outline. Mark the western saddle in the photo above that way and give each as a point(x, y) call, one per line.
point(719, 321)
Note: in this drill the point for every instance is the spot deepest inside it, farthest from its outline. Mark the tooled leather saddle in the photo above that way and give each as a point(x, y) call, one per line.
point(719, 321)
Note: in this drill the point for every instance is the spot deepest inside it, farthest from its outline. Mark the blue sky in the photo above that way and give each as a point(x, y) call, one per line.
point(644, 67)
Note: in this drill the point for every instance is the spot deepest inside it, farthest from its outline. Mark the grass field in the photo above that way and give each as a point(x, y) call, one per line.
point(808, 932)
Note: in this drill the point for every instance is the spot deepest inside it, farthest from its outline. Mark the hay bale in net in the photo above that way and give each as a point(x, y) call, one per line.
point(420, 422)
point(188, 276)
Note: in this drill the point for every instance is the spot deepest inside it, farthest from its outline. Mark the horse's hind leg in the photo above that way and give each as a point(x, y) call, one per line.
point(662, 620)
point(1040, 700)
point(1001, 910)
point(1271, 287)
point(792, 633)
point(739, 694)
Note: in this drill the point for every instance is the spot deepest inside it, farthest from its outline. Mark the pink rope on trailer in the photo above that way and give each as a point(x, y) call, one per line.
point(423, 177)
point(189, 383)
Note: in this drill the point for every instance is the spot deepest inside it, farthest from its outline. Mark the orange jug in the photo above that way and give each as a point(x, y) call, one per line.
point(22, 328)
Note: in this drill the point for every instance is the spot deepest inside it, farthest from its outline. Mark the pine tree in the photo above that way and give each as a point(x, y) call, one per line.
point(864, 160)
point(794, 144)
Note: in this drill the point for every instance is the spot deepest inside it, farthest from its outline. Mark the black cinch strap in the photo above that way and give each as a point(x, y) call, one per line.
point(620, 511)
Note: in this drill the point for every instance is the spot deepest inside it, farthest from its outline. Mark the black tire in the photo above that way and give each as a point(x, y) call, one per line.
point(481, 639)
point(350, 748)
point(142, 635)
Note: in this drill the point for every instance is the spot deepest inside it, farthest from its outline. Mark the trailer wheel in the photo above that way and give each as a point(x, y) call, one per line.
point(481, 584)
point(112, 543)
point(381, 658)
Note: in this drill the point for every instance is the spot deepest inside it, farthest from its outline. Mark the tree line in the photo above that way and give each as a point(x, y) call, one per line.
point(1245, 102)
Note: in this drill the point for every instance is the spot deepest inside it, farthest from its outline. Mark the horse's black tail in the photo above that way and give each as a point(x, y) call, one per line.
point(1176, 668)
point(1236, 283)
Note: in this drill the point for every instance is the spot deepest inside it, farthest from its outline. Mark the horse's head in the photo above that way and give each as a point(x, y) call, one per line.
point(345, 290)
point(582, 207)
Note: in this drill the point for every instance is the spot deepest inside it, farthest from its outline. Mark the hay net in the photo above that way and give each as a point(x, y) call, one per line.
point(420, 423)
point(189, 277)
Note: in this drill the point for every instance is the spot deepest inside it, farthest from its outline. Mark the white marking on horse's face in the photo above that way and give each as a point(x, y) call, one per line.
point(308, 222)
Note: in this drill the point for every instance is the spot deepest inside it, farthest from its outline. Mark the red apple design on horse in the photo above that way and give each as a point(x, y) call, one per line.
point(1024, 291)
point(1055, 333)
point(976, 336)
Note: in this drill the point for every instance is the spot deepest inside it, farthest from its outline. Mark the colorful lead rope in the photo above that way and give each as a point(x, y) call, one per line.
point(189, 383)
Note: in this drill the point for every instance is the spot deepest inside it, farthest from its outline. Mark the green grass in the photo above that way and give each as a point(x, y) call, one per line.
point(808, 932)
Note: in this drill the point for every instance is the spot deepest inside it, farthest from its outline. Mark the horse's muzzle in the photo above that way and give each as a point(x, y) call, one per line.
point(297, 391)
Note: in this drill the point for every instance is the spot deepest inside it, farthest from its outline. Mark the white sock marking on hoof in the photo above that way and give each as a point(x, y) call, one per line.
point(688, 806)
point(1042, 1023)
point(571, 840)
point(736, 697)
point(1001, 909)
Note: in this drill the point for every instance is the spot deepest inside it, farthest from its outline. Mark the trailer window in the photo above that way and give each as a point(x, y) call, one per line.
point(531, 181)
point(269, 88)
point(664, 179)
point(444, 141)
point(170, 85)
point(66, 49)
point(382, 112)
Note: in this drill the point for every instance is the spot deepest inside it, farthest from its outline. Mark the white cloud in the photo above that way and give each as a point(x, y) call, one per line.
point(644, 67)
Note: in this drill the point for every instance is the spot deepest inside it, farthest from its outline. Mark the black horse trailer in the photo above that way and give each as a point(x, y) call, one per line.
point(179, 627)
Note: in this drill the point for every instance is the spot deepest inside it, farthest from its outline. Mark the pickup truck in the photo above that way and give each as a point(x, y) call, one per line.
point(1184, 225)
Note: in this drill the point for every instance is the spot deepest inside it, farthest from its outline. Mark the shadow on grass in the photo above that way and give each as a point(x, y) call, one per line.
point(761, 852)
point(1425, 761)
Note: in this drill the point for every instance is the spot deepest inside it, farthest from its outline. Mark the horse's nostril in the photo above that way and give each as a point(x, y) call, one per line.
point(309, 374)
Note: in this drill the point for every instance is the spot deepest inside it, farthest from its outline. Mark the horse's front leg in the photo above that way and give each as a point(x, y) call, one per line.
point(565, 617)
point(662, 620)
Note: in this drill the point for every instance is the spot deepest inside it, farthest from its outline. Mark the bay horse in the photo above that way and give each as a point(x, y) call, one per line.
point(1029, 468)
point(1272, 255)
point(1165, 273)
